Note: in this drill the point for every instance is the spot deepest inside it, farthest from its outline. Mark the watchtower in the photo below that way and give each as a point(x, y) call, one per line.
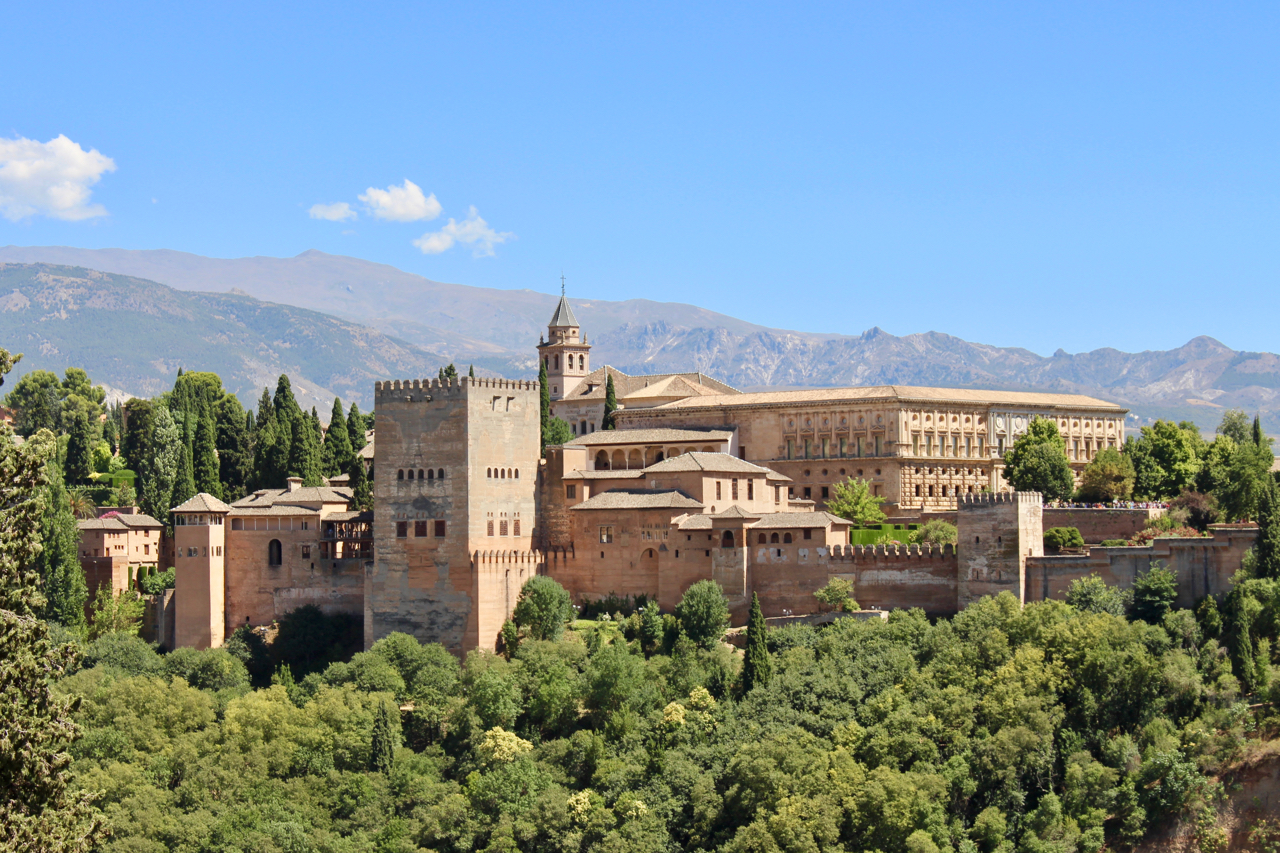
point(566, 353)
point(199, 536)
point(995, 534)
point(454, 473)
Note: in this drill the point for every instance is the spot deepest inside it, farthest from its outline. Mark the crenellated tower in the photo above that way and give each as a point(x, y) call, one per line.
point(565, 352)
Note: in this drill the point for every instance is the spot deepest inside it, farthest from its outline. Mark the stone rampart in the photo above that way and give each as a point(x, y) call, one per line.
point(1099, 525)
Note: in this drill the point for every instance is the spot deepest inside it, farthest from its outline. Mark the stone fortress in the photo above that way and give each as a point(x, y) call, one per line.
point(698, 480)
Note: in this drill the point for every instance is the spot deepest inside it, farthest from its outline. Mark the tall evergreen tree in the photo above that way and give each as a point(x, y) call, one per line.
point(266, 409)
point(360, 485)
point(284, 403)
point(135, 443)
point(757, 667)
point(1258, 437)
point(160, 470)
point(471, 371)
point(382, 749)
point(58, 563)
point(270, 453)
point(79, 449)
point(234, 430)
point(610, 404)
point(37, 809)
point(337, 442)
point(208, 476)
point(184, 486)
point(356, 429)
point(544, 403)
point(1268, 547)
point(304, 451)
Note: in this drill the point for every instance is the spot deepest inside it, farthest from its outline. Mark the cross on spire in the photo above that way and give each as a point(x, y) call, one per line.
point(562, 284)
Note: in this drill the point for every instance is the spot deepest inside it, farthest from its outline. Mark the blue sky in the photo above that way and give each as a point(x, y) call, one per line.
point(1039, 175)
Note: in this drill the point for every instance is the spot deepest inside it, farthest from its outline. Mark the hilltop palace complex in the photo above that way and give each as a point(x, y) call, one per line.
point(698, 480)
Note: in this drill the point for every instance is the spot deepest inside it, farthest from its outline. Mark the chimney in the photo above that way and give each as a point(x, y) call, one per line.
point(295, 483)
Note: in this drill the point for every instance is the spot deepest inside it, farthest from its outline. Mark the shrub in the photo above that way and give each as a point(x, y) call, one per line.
point(1201, 509)
point(543, 608)
point(125, 652)
point(703, 613)
point(155, 583)
point(1114, 543)
point(935, 532)
point(207, 669)
point(1154, 593)
point(1057, 538)
point(1092, 594)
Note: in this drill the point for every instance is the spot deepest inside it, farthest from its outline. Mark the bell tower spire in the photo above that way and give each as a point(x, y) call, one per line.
point(566, 353)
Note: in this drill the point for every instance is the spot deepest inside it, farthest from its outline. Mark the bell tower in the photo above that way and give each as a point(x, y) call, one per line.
point(566, 353)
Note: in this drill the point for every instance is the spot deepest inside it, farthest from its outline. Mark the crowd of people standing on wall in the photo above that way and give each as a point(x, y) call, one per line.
point(1111, 505)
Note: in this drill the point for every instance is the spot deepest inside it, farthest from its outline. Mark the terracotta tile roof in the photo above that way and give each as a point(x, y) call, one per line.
point(592, 386)
point(639, 499)
point(735, 511)
point(282, 509)
point(202, 502)
point(112, 523)
point(632, 474)
point(770, 520)
point(305, 495)
point(711, 462)
point(893, 394)
point(354, 515)
point(650, 436)
point(138, 519)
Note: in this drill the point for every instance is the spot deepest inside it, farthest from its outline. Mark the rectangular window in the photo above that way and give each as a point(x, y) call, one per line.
point(808, 534)
point(826, 448)
point(717, 490)
point(219, 550)
point(502, 527)
point(915, 445)
point(515, 527)
point(808, 448)
point(440, 529)
point(306, 552)
point(751, 490)
point(606, 535)
point(570, 492)
point(955, 445)
point(236, 524)
point(967, 446)
point(419, 528)
point(879, 445)
point(825, 493)
point(859, 445)
point(306, 525)
point(844, 447)
point(733, 490)
point(402, 529)
point(777, 495)
point(808, 493)
point(928, 445)
point(146, 549)
point(791, 448)
point(981, 442)
point(489, 527)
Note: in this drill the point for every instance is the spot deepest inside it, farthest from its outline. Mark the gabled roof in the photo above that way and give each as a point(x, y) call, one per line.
point(770, 520)
point(735, 511)
point(563, 316)
point(696, 460)
point(657, 385)
point(281, 498)
point(650, 436)
point(620, 474)
point(202, 502)
point(639, 499)
point(138, 519)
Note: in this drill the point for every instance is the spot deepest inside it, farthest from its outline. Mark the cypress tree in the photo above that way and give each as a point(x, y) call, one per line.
point(233, 428)
point(1258, 438)
point(382, 749)
point(184, 486)
point(160, 471)
point(471, 371)
point(757, 668)
point(1268, 547)
point(58, 563)
point(610, 403)
point(266, 409)
point(37, 811)
point(208, 476)
point(284, 403)
point(356, 428)
point(544, 402)
point(360, 485)
point(337, 442)
point(440, 376)
point(304, 450)
point(79, 450)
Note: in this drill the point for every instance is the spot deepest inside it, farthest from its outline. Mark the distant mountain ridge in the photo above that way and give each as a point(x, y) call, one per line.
point(434, 322)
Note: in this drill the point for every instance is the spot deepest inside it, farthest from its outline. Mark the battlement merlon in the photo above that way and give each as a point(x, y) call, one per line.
point(428, 390)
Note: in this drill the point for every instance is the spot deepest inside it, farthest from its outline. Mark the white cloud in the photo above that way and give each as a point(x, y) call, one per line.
point(49, 179)
point(472, 231)
point(338, 212)
point(401, 204)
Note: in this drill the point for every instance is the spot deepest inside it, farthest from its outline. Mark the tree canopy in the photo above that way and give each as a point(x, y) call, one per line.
point(1038, 462)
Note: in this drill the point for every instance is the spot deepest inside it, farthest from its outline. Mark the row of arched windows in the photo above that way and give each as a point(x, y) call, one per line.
point(428, 474)
point(773, 538)
point(955, 490)
point(582, 362)
point(502, 473)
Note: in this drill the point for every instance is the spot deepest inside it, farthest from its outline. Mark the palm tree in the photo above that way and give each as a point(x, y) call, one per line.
point(82, 506)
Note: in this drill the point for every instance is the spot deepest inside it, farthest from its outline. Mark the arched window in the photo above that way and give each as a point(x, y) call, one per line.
point(400, 474)
point(509, 474)
point(774, 538)
point(582, 362)
point(502, 473)
point(419, 473)
point(557, 362)
point(274, 555)
point(410, 473)
point(602, 461)
point(761, 539)
point(786, 539)
point(439, 473)
point(726, 539)
point(517, 473)
point(431, 475)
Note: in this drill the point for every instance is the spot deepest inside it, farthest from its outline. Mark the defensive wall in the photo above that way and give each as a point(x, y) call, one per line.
point(1099, 525)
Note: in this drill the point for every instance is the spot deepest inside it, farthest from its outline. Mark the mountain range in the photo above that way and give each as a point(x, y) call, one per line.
point(338, 323)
